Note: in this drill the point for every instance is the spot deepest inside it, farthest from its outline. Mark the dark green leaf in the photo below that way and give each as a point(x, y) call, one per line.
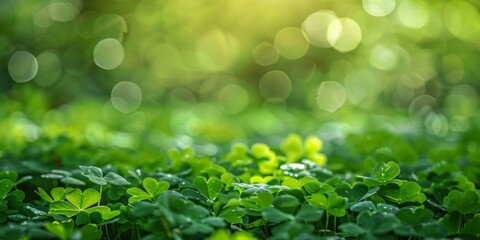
point(115, 179)
point(197, 228)
point(286, 203)
point(336, 205)
point(6, 186)
point(465, 203)
point(194, 195)
point(308, 213)
point(19, 217)
point(413, 216)
point(90, 232)
point(353, 194)
point(94, 174)
point(432, 230)
point(452, 222)
point(232, 215)
point(214, 222)
point(275, 215)
point(82, 218)
point(115, 193)
point(352, 229)
point(263, 199)
point(472, 227)
point(317, 187)
point(363, 206)
point(386, 208)
point(72, 181)
point(386, 171)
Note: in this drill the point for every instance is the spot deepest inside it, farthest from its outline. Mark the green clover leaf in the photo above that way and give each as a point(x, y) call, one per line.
point(209, 189)
point(385, 172)
point(153, 188)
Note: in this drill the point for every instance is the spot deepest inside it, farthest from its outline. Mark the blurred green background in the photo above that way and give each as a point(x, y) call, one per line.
point(143, 73)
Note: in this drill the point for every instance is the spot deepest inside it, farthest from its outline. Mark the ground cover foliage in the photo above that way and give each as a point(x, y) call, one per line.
point(374, 185)
point(150, 119)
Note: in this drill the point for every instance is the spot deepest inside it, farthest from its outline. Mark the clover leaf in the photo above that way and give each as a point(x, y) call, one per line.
point(259, 200)
point(352, 193)
point(232, 214)
point(407, 192)
point(465, 203)
point(83, 200)
point(471, 227)
point(57, 194)
point(308, 213)
point(210, 189)
point(153, 188)
point(95, 175)
point(414, 216)
point(276, 215)
point(6, 186)
point(385, 172)
point(78, 201)
point(335, 205)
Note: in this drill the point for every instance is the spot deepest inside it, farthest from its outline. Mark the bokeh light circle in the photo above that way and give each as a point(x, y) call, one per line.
point(49, 69)
point(126, 96)
point(233, 98)
point(108, 53)
point(344, 34)
point(413, 13)
point(62, 11)
point(22, 66)
point(265, 54)
point(291, 43)
point(379, 8)
point(331, 96)
point(275, 85)
point(316, 28)
point(217, 50)
point(384, 57)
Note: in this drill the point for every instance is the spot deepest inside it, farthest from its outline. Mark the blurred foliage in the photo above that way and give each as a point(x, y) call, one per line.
point(130, 73)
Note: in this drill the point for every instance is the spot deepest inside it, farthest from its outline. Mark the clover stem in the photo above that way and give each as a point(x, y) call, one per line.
point(106, 231)
point(133, 232)
point(167, 230)
point(462, 221)
point(326, 223)
point(101, 189)
point(335, 224)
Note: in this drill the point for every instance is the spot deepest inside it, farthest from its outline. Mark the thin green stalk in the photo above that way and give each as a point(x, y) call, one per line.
point(133, 232)
point(106, 231)
point(335, 225)
point(166, 228)
point(101, 189)
point(461, 223)
point(326, 224)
